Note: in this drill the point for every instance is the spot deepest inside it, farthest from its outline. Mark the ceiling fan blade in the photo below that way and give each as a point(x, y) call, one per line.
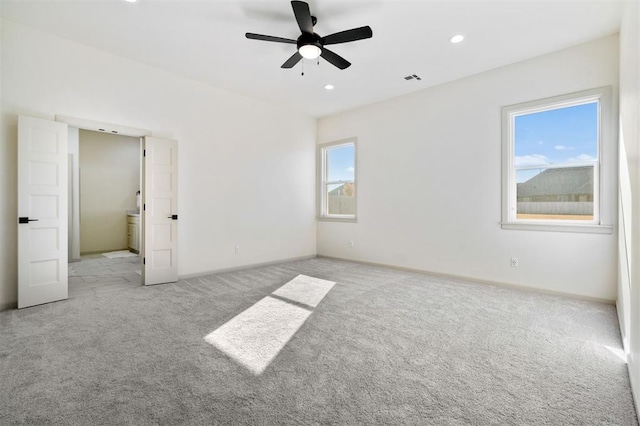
point(303, 16)
point(269, 38)
point(348, 35)
point(335, 59)
point(289, 63)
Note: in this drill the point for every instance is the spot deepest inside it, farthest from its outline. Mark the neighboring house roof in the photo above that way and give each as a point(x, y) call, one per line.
point(568, 180)
point(339, 190)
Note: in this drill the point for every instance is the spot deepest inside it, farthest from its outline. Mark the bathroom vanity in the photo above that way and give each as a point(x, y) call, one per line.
point(133, 231)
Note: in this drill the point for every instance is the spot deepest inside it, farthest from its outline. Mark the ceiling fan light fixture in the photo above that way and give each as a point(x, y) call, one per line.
point(310, 51)
point(456, 38)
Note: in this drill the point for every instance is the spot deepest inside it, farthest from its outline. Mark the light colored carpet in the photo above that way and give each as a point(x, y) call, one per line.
point(99, 274)
point(382, 347)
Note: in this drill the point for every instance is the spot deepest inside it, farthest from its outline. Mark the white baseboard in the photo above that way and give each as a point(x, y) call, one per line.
point(634, 387)
point(623, 330)
point(249, 266)
point(476, 280)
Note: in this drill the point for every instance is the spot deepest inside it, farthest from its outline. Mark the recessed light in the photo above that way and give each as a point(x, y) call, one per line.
point(131, 1)
point(328, 86)
point(456, 38)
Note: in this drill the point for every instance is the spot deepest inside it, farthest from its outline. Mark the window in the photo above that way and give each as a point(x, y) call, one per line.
point(338, 180)
point(552, 161)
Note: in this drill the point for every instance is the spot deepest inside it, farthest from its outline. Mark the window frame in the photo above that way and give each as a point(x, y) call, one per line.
point(322, 180)
point(601, 95)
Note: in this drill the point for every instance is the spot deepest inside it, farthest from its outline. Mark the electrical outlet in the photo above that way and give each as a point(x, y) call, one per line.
point(514, 262)
point(237, 249)
point(351, 243)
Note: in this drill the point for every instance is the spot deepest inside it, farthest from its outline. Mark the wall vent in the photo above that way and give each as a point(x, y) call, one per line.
point(412, 77)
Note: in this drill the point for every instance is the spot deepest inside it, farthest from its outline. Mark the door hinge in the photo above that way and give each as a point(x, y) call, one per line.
point(144, 207)
point(144, 260)
point(144, 152)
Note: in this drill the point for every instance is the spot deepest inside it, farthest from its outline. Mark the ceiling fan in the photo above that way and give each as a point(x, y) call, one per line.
point(311, 45)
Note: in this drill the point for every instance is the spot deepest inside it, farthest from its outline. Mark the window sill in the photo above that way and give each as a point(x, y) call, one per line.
point(573, 227)
point(337, 219)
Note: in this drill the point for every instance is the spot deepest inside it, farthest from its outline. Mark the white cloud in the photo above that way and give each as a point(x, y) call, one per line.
point(350, 170)
point(531, 160)
point(582, 158)
point(563, 148)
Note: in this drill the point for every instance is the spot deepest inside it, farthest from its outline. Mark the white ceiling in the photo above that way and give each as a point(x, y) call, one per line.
point(204, 40)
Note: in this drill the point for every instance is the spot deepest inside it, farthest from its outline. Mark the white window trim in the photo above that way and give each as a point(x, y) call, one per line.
point(605, 151)
point(322, 174)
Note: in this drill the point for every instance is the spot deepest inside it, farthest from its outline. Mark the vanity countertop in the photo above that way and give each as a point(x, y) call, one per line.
point(133, 212)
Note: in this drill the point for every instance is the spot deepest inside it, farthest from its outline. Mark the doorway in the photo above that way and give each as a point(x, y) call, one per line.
point(104, 212)
point(48, 237)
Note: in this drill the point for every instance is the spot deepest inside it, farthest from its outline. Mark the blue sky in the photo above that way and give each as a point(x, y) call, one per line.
point(341, 163)
point(567, 134)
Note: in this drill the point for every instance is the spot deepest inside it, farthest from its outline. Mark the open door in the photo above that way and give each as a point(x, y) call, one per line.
point(42, 210)
point(160, 211)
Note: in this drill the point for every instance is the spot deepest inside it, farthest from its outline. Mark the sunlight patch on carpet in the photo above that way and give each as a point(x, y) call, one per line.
point(306, 290)
point(257, 335)
point(254, 337)
point(619, 352)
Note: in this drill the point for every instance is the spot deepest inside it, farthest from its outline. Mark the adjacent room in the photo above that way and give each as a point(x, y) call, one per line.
point(323, 212)
point(104, 212)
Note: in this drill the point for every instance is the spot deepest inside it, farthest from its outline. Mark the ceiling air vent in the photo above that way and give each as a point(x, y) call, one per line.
point(412, 77)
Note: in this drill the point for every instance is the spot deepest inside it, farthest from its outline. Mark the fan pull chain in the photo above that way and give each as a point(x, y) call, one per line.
point(302, 65)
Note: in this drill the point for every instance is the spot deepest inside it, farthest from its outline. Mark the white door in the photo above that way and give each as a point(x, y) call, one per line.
point(160, 210)
point(42, 211)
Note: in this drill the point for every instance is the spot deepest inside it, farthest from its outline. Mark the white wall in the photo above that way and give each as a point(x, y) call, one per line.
point(629, 242)
point(429, 180)
point(109, 180)
point(247, 168)
point(8, 244)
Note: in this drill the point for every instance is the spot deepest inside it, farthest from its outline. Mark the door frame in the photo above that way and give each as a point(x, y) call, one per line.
point(99, 126)
point(114, 129)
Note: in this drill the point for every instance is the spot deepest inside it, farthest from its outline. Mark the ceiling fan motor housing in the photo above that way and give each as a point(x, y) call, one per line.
point(312, 39)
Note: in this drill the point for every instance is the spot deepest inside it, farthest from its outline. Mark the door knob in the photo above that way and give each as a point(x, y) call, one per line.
point(26, 220)
point(173, 217)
